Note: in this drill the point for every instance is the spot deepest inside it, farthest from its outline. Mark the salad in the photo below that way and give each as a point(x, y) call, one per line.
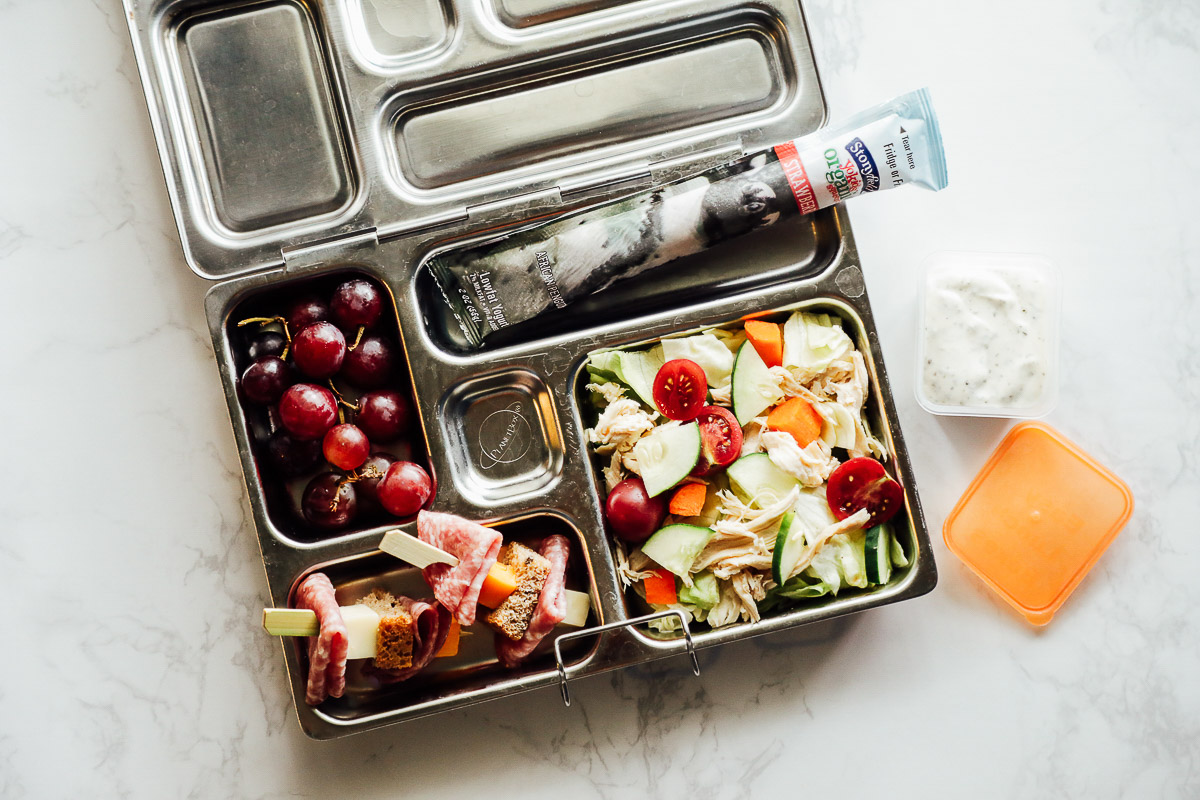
point(741, 474)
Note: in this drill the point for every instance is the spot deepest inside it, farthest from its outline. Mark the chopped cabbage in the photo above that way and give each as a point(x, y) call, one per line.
point(811, 342)
point(839, 428)
point(706, 350)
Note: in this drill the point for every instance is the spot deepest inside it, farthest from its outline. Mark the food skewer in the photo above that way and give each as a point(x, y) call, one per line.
point(362, 622)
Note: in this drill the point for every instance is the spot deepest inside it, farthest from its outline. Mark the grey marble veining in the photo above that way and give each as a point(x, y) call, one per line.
point(134, 665)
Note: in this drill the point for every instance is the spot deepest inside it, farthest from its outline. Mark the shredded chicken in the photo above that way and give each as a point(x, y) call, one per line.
point(751, 435)
point(744, 520)
point(626, 571)
point(811, 465)
point(728, 609)
point(611, 392)
point(722, 395)
point(622, 423)
point(749, 590)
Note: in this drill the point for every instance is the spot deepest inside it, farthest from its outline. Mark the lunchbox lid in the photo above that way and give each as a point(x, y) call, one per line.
point(288, 129)
point(1036, 519)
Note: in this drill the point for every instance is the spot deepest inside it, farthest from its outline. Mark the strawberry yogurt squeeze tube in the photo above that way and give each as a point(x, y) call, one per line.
point(544, 266)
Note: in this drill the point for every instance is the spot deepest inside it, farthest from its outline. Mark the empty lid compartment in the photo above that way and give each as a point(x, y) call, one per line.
point(269, 133)
point(1036, 518)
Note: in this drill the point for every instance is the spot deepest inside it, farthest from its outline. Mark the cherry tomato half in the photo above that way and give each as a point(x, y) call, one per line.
point(720, 439)
point(680, 389)
point(863, 483)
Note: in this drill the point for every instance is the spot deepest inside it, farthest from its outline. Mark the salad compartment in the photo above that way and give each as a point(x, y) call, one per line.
point(907, 527)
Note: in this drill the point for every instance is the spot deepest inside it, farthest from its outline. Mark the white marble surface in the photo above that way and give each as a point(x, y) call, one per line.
point(134, 665)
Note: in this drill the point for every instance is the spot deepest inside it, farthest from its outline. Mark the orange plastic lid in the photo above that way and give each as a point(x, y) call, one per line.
point(1036, 518)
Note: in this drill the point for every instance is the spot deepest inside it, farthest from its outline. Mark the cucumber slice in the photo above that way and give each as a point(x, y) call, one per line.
point(879, 554)
point(757, 481)
point(754, 390)
point(666, 455)
point(703, 593)
point(789, 546)
point(675, 547)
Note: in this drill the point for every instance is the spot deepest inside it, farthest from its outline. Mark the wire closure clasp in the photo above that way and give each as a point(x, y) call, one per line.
point(689, 645)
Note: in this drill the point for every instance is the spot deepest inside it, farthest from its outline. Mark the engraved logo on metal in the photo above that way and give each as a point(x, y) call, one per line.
point(504, 437)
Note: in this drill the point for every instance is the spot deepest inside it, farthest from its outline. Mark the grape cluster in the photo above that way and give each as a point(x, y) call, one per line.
point(326, 376)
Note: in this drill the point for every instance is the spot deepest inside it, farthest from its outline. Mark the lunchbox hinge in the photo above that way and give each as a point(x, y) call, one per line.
point(518, 206)
point(672, 165)
point(331, 248)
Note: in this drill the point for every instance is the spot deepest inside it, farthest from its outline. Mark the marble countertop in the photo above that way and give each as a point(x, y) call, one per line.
point(131, 666)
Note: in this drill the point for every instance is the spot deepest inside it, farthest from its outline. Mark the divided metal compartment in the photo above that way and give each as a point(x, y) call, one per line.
point(402, 140)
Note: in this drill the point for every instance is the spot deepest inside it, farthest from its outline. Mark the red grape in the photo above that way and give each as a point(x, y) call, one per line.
point(265, 380)
point(356, 304)
point(267, 343)
point(329, 502)
point(290, 456)
point(404, 489)
point(319, 350)
point(369, 365)
point(372, 470)
point(308, 411)
point(633, 514)
point(346, 447)
point(306, 311)
point(383, 415)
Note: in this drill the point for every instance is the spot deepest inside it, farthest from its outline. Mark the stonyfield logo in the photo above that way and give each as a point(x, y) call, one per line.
point(858, 151)
point(841, 180)
point(504, 437)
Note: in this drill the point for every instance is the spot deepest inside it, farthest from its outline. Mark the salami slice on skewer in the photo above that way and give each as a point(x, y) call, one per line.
point(551, 608)
point(431, 624)
point(327, 650)
point(476, 547)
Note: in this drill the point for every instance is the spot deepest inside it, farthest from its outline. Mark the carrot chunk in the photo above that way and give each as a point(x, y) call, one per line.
point(500, 582)
point(688, 500)
point(767, 338)
point(660, 588)
point(797, 417)
point(450, 648)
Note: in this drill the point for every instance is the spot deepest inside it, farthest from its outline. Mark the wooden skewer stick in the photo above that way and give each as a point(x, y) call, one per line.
point(290, 622)
point(411, 549)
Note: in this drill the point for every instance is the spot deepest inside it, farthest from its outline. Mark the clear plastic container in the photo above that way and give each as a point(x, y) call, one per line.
point(1036, 519)
point(987, 342)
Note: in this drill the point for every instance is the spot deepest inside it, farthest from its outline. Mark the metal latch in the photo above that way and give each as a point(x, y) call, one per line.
point(327, 249)
point(688, 644)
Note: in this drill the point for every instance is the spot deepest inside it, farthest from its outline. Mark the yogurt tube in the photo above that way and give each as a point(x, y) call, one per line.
point(988, 341)
point(543, 267)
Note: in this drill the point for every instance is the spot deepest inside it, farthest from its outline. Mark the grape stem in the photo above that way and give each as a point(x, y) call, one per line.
point(342, 400)
point(370, 472)
point(357, 339)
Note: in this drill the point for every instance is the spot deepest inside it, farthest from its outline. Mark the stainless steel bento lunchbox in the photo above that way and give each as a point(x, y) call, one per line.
point(307, 140)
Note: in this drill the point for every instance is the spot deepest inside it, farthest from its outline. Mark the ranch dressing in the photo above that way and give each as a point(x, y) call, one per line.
point(988, 338)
